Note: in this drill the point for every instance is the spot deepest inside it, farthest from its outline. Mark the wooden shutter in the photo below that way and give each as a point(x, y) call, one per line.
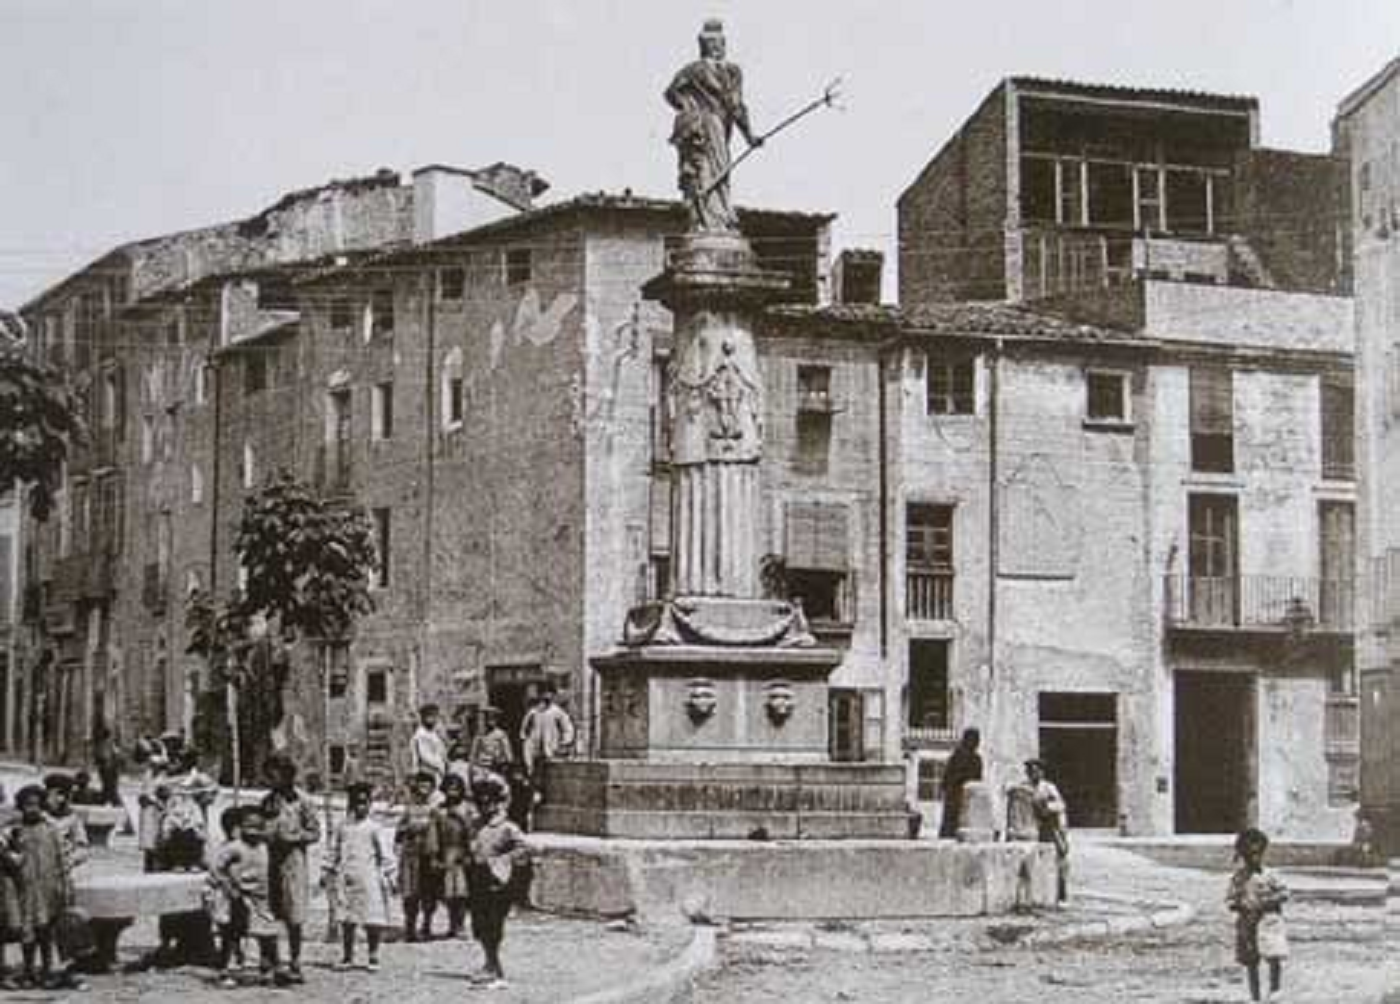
point(817, 536)
point(1212, 402)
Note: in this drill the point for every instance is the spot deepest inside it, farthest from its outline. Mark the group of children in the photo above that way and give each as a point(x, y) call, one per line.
point(451, 846)
point(39, 853)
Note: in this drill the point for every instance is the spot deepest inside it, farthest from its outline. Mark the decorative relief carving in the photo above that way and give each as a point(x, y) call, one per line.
point(780, 702)
point(701, 701)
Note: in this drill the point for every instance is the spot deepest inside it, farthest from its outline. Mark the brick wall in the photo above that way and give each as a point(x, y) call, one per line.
point(952, 219)
point(1291, 207)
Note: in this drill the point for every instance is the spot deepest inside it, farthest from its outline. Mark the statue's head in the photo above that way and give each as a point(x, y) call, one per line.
point(712, 39)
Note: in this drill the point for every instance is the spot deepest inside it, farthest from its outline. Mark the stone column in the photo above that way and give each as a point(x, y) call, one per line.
point(715, 409)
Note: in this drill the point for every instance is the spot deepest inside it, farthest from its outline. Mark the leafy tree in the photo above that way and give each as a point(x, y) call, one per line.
point(39, 423)
point(308, 560)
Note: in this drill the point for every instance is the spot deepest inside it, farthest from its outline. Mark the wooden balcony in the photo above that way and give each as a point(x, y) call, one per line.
point(928, 595)
point(1260, 603)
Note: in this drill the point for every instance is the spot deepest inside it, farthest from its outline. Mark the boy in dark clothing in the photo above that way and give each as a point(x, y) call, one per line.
point(500, 856)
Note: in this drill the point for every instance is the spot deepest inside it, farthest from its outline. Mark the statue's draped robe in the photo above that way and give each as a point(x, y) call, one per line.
point(708, 96)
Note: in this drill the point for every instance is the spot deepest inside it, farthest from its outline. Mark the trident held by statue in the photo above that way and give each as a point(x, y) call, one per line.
point(827, 99)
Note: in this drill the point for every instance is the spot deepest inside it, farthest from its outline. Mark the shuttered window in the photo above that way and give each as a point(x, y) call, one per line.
point(1212, 419)
point(817, 536)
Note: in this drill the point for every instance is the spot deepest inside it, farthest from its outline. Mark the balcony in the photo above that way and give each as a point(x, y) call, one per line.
point(928, 595)
point(1260, 603)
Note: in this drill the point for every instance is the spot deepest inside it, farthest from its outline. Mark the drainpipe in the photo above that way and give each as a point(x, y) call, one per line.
point(428, 286)
point(993, 528)
point(884, 489)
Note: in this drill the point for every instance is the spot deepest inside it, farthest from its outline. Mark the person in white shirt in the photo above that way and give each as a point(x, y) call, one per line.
point(548, 734)
point(428, 750)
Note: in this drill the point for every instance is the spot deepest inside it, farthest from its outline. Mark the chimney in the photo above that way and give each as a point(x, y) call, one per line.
point(448, 200)
point(858, 275)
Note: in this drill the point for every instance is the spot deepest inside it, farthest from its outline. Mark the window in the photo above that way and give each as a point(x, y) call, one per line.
point(201, 381)
point(148, 438)
point(342, 317)
point(1188, 202)
point(1213, 559)
point(453, 390)
point(377, 686)
point(109, 400)
point(814, 388)
point(1038, 190)
point(452, 283)
point(382, 546)
point(1148, 181)
point(82, 526)
point(249, 472)
point(381, 313)
point(928, 559)
point(951, 383)
point(1108, 399)
point(519, 266)
point(928, 694)
point(196, 484)
point(382, 411)
point(1212, 420)
point(1111, 195)
point(335, 473)
point(1336, 563)
point(1337, 423)
point(254, 372)
point(818, 563)
point(1071, 192)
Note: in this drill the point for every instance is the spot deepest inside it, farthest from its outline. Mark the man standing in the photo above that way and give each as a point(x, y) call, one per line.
point(428, 750)
point(708, 96)
point(1051, 819)
point(549, 735)
point(963, 766)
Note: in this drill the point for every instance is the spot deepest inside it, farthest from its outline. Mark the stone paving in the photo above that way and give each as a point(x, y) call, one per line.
point(1338, 951)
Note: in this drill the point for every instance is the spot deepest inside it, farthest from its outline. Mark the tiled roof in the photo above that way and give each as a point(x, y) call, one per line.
point(975, 319)
point(1235, 102)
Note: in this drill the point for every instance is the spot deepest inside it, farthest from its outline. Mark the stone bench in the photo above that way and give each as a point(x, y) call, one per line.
point(100, 821)
point(114, 901)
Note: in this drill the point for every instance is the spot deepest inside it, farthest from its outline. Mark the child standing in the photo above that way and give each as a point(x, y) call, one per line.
point(242, 872)
point(292, 827)
point(417, 873)
point(449, 843)
point(1257, 895)
point(33, 851)
point(58, 806)
point(220, 897)
point(359, 874)
point(500, 855)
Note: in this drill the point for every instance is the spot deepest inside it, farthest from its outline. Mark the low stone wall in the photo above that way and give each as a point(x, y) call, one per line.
point(649, 800)
point(669, 881)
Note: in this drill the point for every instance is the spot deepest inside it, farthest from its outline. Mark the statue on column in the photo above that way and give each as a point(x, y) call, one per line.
point(708, 96)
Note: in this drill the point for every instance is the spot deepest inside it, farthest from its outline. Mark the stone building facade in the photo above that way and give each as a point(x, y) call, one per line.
point(1195, 497)
point(140, 333)
point(1366, 131)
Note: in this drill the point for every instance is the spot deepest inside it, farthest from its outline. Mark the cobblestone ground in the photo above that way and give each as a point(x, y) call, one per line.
point(1338, 954)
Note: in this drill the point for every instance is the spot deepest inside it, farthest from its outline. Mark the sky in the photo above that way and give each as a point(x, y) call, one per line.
point(124, 119)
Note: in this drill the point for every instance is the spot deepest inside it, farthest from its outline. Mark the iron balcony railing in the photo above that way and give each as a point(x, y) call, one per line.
point(1261, 601)
point(928, 595)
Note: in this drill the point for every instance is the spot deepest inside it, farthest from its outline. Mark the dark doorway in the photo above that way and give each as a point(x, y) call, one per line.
point(1079, 744)
point(1214, 741)
point(513, 689)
